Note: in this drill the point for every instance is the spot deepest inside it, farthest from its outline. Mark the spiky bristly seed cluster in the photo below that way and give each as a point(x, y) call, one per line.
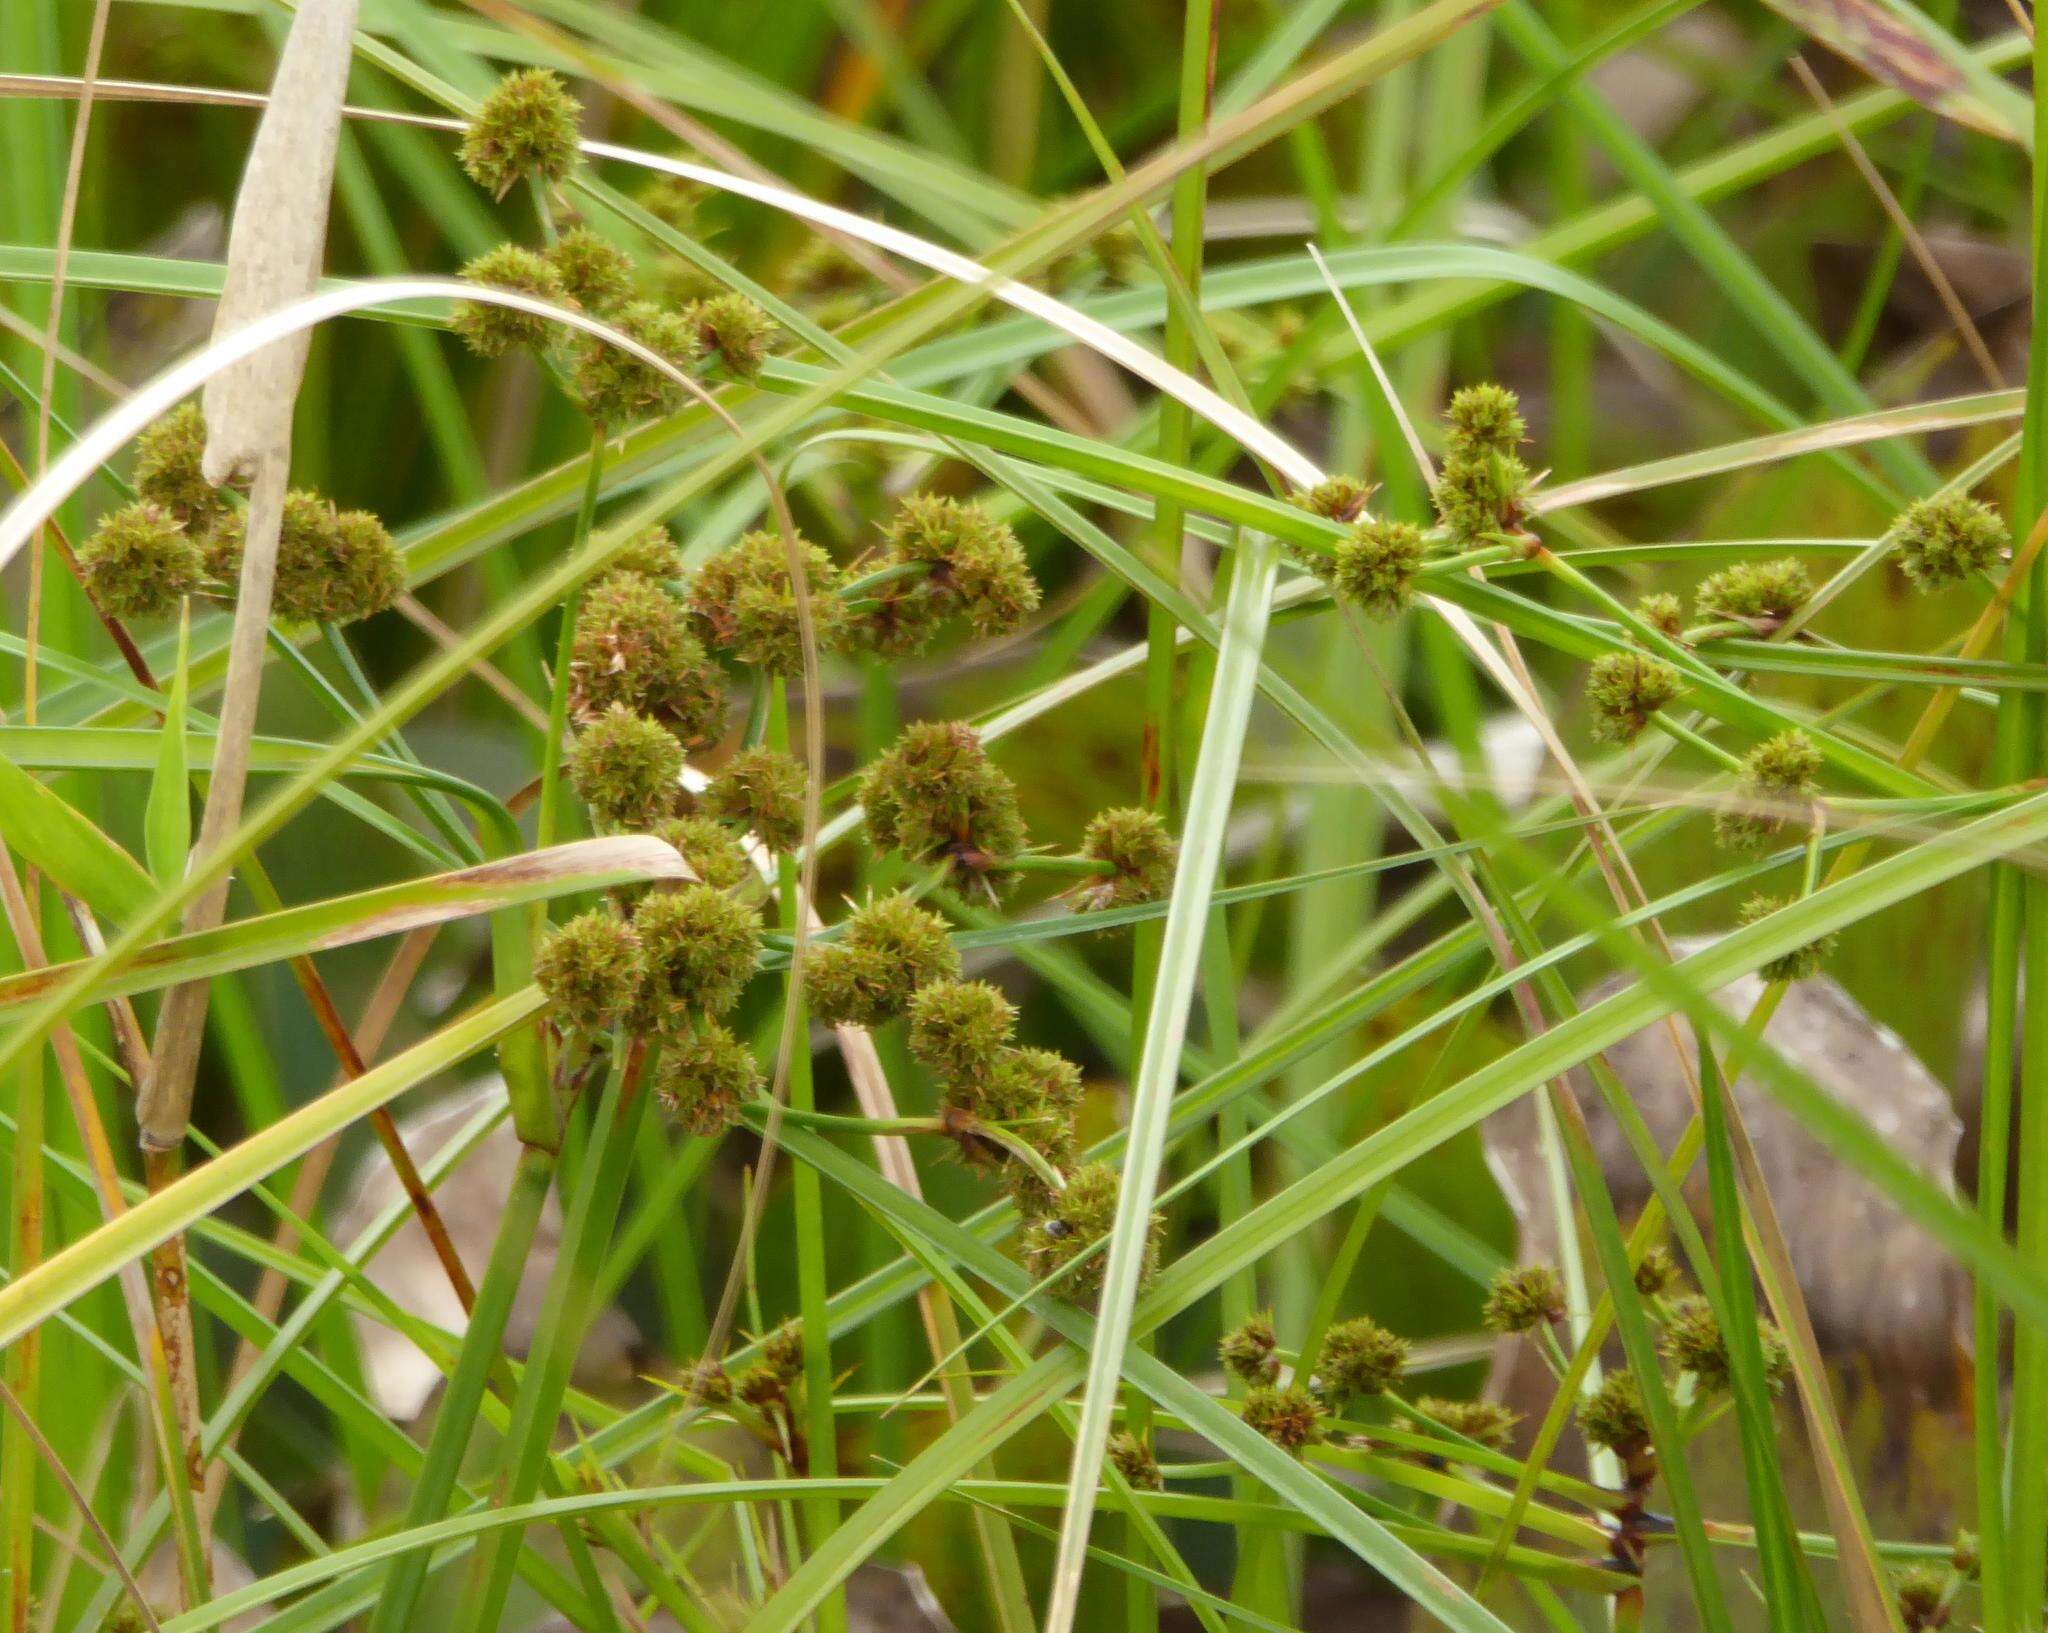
point(140, 562)
point(1803, 962)
point(1033, 1095)
point(782, 1352)
point(1133, 1459)
point(703, 1076)
point(652, 553)
point(1762, 594)
point(705, 1383)
point(1488, 1423)
point(168, 474)
point(1777, 775)
point(889, 949)
point(590, 969)
point(1663, 612)
point(1614, 1417)
point(936, 795)
point(734, 330)
point(760, 791)
point(1692, 1341)
point(744, 600)
point(972, 565)
point(634, 649)
point(615, 386)
point(1140, 852)
point(593, 272)
point(714, 855)
point(959, 1028)
point(1522, 1298)
point(1338, 498)
point(1360, 1359)
point(1624, 689)
point(525, 127)
point(1949, 537)
point(625, 768)
point(1291, 1418)
point(490, 330)
point(701, 947)
point(333, 566)
point(1250, 1350)
point(1375, 565)
point(1483, 483)
point(1080, 1217)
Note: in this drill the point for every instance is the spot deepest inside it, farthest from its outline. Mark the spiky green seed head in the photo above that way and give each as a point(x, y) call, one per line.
point(1137, 846)
point(1291, 1418)
point(958, 1028)
point(890, 949)
point(625, 768)
point(1801, 963)
point(492, 331)
point(140, 562)
point(615, 386)
point(1966, 1557)
point(652, 553)
point(1949, 537)
point(1656, 1272)
point(1339, 498)
point(701, 947)
point(1479, 495)
point(714, 855)
point(1763, 593)
point(1623, 689)
point(168, 473)
point(1360, 1359)
point(333, 566)
point(782, 1352)
point(760, 791)
point(1375, 565)
point(705, 1383)
point(592, 271)
point(1250, 1350)
point(1133, 1459)
point(1034, 1094)
point(1483, 417)
point(525, 127)
point(1777, 776)
point(977, 567)
point(703, 1076)
point(590, 970)
point(1663, 612)
point(634, 649)
point(1080, 1217)
point(1522, 1298)
point(1923, 1597)
point(1613, 1416)
point(744, 601)
point(735, 331)
point(1487, 1422)
point(935, 794)
point(1692, 1341)
point(674, 201)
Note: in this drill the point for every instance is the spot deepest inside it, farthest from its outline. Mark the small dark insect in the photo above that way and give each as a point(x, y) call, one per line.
point(1058, 1229)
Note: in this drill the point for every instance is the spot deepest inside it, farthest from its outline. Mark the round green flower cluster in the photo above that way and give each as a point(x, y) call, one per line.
point(1482, 484)
point(936, 796)
point(183, 536)
point(1949, 537)
point(1803, 962)
point(1692, 1341)
point(1625, 689)
point(887, 952)
point(744, 600)
point(1250, 1351)
point(1079, 1218)
point(760, 791)
point(634, 649)
point(1485, 1423)
point(1762, 594)
point(1291, 1418)
point(1139, 851)
point(525, 127)
point(1522, 1298)
point(942, 557)
point(1777, 779)
point(491, 330)
point(1360, 1359)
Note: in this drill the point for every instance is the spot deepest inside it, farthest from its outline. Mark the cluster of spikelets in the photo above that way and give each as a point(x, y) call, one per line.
point(1926, 1593)
point(1357, 1361)
point(183, 537)
point(766, 1399)
point(526, 129)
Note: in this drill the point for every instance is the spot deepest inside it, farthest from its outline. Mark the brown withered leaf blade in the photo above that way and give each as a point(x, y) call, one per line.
point(1913, 60)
